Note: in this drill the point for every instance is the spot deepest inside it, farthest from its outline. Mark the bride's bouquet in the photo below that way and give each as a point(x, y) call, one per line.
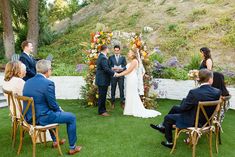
point(193, 74)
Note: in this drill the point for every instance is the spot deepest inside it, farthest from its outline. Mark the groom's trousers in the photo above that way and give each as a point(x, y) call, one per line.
point(102, 99)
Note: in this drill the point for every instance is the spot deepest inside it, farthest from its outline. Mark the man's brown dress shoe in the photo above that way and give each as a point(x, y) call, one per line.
point(55, 144)
point(75, 150)
point(105, 114)
point(122, 105)
point(112, 106)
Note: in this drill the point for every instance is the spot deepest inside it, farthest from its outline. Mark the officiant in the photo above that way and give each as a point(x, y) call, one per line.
point(118, 64)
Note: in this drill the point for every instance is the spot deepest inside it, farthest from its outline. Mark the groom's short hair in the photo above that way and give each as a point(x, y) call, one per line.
point(103, 47)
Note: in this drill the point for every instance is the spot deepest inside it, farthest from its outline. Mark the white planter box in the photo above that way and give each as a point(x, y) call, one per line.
point(178, 89)
point(69, 87)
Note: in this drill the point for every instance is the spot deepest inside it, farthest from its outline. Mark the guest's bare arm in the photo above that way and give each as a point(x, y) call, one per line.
point(209, 64)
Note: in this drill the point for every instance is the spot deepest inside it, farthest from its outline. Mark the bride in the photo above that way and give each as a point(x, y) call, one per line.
point(133, 103)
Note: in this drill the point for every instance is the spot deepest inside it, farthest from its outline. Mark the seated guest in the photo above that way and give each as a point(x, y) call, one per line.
point(218, 82)
point(183, 116)
point(14, 72)
point(47, 109)
point(28, 60)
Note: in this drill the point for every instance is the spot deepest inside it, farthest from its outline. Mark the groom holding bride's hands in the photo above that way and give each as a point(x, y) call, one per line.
point(103, 78)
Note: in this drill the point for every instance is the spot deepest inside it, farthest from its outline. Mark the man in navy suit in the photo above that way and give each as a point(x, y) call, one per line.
point(183, 116)
point(46, 108)
point(118, 64)
point(102, 79)
point(28, 60)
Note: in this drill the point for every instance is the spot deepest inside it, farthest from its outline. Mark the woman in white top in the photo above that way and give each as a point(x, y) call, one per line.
point(14, 72)
point(133, 103)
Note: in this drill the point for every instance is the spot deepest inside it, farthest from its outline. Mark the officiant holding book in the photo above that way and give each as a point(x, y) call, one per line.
point(118, 64)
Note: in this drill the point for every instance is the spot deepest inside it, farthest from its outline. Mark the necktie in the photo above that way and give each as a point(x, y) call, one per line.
point(117, 57)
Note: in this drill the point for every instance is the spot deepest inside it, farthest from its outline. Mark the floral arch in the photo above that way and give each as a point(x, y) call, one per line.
point(90, 90)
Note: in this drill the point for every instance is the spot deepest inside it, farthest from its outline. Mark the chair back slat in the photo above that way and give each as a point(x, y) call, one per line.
point(10, 101)
point(201, 112)
point(226, 104)
point(30, 105)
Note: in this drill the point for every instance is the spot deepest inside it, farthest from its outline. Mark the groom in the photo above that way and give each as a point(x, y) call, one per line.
point(102, 79)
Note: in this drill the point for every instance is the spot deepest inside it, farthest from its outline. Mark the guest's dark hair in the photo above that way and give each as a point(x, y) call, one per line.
point(218, 82)
point(206, 52)
point(117, 46)
point(205, 75)
point(103, 47)
point(24, 44)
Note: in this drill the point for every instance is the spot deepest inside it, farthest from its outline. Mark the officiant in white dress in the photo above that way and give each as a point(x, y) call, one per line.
point(133, 103)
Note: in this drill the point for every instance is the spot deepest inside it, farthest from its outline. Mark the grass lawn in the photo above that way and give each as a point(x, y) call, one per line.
point(116, 136)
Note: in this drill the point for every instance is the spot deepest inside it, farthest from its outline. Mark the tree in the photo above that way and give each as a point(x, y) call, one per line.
point(33, 24)
point(8, 36)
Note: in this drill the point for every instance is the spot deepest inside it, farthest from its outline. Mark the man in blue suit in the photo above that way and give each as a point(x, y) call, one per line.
point(183, 116)
point(46, 108)
point(102, 79)
point(28, 60)
point(118, 64)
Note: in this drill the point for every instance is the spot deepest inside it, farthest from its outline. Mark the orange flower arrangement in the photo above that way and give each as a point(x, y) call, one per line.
point(97, 40)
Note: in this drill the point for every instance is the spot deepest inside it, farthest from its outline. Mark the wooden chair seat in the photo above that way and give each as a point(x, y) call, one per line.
point(33, 129)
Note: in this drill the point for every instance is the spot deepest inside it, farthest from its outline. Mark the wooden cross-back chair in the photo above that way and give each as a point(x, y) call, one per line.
point(196, 131)
point(14, 109)
point(219, 119)
point(33, 129)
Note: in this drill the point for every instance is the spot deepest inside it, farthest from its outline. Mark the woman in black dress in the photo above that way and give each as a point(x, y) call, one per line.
point(207, 62)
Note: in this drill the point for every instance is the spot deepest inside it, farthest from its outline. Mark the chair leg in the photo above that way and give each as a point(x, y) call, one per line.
point(175, 139)
point(211, 143)
point(40, 136)
point(34, 139)
point(58, 140)
point(194, 141)
point(45, 138)
point(21, 140)
point(14, 134)
point(220, 142)
point(217, 132)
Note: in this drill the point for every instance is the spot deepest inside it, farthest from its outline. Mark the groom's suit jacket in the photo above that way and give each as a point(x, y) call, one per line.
point(30, 64)
point(103, 71)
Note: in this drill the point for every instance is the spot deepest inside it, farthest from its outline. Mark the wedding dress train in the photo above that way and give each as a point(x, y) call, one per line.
point(133, 103)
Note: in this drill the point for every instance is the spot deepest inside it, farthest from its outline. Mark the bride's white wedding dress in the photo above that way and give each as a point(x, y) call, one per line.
point(133, 103)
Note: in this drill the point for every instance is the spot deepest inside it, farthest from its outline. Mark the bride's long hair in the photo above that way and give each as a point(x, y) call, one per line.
point(135, 54)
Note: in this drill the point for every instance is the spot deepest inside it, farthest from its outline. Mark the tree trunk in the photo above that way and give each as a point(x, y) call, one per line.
point(33, 24)
point(8, 36)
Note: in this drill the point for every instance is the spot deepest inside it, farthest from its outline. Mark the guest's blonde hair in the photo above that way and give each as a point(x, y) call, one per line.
point(12, 69)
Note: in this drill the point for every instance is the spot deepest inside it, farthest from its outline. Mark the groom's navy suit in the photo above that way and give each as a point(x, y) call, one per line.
point(30, 64)
point(102, 80)
point(184, 115)
point(120, 61)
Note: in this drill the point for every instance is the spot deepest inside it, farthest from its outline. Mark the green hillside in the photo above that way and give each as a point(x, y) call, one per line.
point(180, 28)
